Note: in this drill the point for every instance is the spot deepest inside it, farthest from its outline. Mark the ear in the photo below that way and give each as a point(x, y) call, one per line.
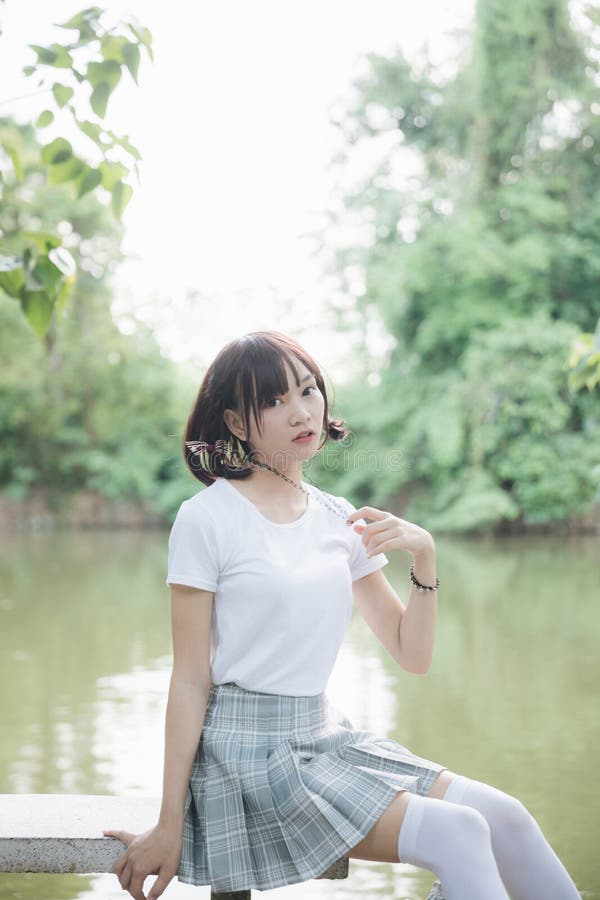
point(233, 422)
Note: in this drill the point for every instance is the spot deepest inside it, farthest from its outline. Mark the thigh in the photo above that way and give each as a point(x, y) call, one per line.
point(380, 844)
point(439, 786)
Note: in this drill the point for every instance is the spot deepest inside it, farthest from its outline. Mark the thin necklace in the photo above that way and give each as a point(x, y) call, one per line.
point(325, 499)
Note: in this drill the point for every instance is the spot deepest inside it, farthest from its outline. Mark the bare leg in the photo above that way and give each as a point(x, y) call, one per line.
point(380, 844)
point(441, 784)
point(456, 847)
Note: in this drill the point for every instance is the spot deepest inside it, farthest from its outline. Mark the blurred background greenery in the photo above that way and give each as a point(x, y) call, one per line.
point(483, 264)
point(477, 235)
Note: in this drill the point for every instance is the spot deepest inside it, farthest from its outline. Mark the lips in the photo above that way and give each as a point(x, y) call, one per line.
point(303, 434)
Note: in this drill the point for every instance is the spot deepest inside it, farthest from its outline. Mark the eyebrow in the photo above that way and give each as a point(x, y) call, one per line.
point(302, 380)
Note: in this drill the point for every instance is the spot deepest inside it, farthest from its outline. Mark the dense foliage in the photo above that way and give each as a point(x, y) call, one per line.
point(482, 263)
point(86, 407)
point(476, 252)
point(40, 271)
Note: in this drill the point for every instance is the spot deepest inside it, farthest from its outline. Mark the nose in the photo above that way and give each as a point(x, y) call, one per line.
point(300, 415)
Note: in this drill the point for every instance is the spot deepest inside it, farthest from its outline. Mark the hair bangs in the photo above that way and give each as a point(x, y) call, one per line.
point(263, 377)
point(247, 373)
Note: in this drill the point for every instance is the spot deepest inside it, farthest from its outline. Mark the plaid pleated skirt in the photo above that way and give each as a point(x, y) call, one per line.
point(282, 786)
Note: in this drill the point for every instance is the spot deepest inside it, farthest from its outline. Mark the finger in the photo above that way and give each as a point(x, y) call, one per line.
point(373, 550)
point(126, 877)
point(367, 512)
point(159, 886)
point(120, 863)
point(375, 527)
point(136, 886)
point(125, 836)
point(123, 860)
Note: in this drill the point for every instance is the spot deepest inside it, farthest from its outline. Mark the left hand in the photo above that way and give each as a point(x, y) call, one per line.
point(388, 532)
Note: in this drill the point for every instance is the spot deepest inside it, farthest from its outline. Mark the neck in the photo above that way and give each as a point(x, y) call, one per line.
point(272, 485)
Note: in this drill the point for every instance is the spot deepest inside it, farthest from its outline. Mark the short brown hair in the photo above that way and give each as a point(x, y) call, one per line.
point(246, 373)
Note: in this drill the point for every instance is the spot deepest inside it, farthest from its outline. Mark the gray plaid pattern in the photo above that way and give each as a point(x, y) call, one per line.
point(281, 786)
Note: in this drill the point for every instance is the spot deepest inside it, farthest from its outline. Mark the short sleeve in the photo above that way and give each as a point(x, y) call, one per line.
point(360, 564)
point(193, 556)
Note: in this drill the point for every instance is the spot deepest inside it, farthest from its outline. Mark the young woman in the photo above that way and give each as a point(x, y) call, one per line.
point(265, 782)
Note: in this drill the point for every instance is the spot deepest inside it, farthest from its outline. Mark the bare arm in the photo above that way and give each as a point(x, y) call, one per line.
point(417, 626)
point(406, 631)
point(191, 615)
point(158, 850)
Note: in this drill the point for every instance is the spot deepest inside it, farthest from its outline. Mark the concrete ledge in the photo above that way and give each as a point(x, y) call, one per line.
point(63, 832)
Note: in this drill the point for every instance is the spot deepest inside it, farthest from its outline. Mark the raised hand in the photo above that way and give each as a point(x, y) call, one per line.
point(388, 532)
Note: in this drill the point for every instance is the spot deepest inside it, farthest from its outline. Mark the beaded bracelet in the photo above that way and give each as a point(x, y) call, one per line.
point(423, 587)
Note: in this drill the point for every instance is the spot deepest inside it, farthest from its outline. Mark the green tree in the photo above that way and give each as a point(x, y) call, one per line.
point(39, 272)
point(488, 241)
point(87, 408)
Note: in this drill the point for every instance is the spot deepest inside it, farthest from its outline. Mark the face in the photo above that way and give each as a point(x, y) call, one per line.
point(286, 415)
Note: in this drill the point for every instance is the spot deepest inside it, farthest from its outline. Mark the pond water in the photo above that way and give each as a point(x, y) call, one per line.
point(511, 698)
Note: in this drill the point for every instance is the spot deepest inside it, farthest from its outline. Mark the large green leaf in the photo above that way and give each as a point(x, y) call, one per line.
point(88, 25)
point(62, 93)
point(89, 180)
point(111, 172)
point(121, 195)
point(45, 118)
point(125, 144)
point(11, 275)
point(44, 55)
point(44, 240)
point(99, 99)
point(92, 130)
point(69, 170)
point(112, 46)
point(37, 306)
point(56, 152)
point(83, 18)
point(54, 55)
point(46, 273)
point(62, 294)
point(32, 282)
point(107, 72)
point(131, 57)
point(15, 159)
point(144, 36)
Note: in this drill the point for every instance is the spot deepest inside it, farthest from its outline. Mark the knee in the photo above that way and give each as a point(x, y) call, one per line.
point(470, 834)
point(512, 813)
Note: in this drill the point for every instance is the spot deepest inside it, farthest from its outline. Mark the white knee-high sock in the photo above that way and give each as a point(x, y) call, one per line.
point(529, 867)
point(456, 847)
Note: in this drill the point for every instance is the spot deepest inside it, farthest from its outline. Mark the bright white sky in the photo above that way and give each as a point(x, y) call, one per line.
point(232, 120)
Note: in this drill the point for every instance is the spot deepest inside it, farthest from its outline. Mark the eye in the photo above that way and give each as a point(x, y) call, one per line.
point(272, 400)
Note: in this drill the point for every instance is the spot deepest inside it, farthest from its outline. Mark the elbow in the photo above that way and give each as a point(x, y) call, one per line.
point(419, 670)
point(422, 670)
point(415, 666)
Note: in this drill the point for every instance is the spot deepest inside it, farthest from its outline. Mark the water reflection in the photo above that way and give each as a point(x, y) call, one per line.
point(511, 698)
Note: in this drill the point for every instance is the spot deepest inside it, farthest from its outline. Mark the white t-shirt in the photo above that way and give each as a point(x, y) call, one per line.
point(283, 592)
